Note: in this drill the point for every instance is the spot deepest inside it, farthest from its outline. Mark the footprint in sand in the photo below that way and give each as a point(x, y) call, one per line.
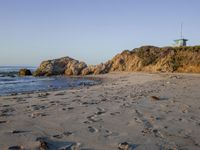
point(5, 105)
point(58, 136)
point(36, 107)
point(62, 109)
point(93, 118)
point(115, 113)
point(109, 133)
point(100, 111)
point(103, 99)
point(68, 133)
point(21, 101)
point(148, 127)
point(7, 112)
point(52, 103)
point(34, 115)
point(92, 129)
point(64, 134)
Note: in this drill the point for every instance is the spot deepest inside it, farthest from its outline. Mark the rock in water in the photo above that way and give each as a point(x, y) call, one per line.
point(24, 72)
point(61, 66)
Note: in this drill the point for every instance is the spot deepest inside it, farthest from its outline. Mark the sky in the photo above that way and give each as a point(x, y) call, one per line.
point(91, 30)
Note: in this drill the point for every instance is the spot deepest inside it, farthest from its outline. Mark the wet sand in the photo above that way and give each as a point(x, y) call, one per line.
point(137, 111)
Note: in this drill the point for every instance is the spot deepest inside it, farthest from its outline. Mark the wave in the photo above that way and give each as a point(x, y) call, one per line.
point(15, 68)
point(9, 74)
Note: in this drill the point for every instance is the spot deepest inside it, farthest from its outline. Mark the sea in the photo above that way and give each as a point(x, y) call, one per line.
point(12, 84)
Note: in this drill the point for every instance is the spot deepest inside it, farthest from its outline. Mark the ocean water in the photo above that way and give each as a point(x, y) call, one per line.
point(11, 83)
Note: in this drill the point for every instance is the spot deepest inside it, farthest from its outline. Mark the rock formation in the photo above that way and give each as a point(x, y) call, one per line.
point(145, 58)
point(65, 65)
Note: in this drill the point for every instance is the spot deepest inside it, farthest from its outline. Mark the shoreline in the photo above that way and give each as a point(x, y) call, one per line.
point(143, 110)
point(99, 79)
point(94, 81)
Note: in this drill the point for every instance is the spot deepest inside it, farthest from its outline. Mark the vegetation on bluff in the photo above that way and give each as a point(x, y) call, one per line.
point(170, 59)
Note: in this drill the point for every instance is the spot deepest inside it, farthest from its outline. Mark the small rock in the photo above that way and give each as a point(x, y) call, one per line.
point(124, 146)
point(24, 72)
point(155, 98)
point(16, 131)
point(70, 108)
point(3, 122)
point(43, 144)
point(91, 129)
point(15, 148)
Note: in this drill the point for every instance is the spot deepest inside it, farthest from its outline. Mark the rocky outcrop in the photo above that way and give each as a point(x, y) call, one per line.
point(24, 72)
point(145, 58)
point(61, 66)
point(156, 59)
point(96, 69)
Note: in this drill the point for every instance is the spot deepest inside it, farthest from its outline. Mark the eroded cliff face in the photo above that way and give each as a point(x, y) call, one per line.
point(146, 58)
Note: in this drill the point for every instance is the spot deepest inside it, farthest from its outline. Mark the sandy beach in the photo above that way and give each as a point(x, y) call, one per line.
point(142, 111)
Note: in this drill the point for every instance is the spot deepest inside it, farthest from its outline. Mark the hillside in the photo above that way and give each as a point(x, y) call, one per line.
point(145, 58)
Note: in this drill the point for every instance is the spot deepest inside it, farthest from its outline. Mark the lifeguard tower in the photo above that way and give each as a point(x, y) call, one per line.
point(182, 41)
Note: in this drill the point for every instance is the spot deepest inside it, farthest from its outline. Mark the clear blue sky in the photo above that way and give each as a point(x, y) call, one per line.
point(91, 30)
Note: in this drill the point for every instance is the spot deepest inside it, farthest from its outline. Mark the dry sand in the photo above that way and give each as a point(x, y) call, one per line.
point(148, 111)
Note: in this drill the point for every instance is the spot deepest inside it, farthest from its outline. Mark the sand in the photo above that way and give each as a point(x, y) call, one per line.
point(142, 111)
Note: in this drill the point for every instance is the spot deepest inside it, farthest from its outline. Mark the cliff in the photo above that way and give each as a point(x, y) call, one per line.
point(145, 58)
